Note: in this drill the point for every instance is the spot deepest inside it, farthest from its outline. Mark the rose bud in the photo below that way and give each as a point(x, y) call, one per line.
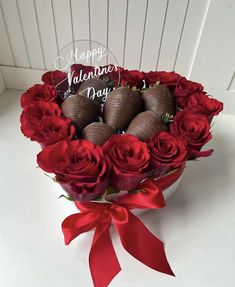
point(201, 103)
point(53, 78)
point(53, 129)
point(165, 78)
point(33, 114)
point(195, 129)
point(166, 152)
point(184, 89)
point(80, 167)
point(130, 158)
point(37, 93)
point(132, 79)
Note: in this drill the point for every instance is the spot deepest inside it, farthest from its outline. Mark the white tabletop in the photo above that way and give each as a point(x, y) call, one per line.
point(197, 226)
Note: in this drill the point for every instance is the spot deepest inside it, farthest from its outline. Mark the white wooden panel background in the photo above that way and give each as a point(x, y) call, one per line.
point(193, 37)
point(2, 83)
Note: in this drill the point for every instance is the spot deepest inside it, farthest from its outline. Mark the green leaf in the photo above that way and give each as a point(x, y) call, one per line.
point(68, 197)
point(99, 198)
point(135, 191)
point(111, 190)
point(167, 118)
point(53, 178)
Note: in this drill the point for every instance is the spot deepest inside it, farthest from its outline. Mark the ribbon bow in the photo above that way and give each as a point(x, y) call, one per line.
point(134, 236)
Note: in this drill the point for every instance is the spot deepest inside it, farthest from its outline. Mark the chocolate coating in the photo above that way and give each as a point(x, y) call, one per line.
point(98, 133)
point(81, 110)
point(159, 100)
point(121, 106)
point(145, 125)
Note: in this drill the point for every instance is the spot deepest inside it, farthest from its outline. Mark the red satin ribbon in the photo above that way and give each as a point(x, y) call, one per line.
point(134, 236)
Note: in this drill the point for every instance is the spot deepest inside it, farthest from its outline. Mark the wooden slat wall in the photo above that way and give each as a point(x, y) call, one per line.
point(172, 31)
point(2, 83)
point(16, 35)
point(193, 37)
point(215, 58)
point(46, 30)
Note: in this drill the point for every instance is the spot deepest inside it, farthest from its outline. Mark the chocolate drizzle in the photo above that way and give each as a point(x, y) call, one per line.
point(81, 110)
point(121, 106)
point(145, 125)
point(159, 100)
point(122, 111)
point(98, 133)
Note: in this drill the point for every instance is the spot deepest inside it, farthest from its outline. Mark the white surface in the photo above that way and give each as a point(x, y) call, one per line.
point(197, 226)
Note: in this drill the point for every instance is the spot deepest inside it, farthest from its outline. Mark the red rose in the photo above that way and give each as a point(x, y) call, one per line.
point(33, 114)
point(132, 78)
point(38, 93)
point(201, 103)
point(57, 79)
point(78, 69)
point(54, 77)
point(184, 89)
point(80, 167)
point(114, 75)
point(53, 129)
point(165, 78)
point(195, 129)
point(166, 152)
point(82, 73)
point(129, 157)
point(168, 78)
point(151, 78)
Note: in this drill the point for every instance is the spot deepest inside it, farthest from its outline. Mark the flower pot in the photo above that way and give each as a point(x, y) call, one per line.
point(168, 192)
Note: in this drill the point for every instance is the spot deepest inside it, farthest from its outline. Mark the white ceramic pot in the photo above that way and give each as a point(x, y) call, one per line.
point(168, 192)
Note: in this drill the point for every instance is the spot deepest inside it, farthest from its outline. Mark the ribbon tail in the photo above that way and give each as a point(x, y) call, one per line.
point(104, 265)
point(142, 244)
point(78, 223)
point(204, 153)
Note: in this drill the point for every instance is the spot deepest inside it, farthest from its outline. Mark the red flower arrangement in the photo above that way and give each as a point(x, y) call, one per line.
point(167, 151)
point(90, 173)
point(80, 167)
point(36, 93)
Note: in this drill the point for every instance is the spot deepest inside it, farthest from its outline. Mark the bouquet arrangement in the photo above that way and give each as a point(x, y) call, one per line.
point(115, 139)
